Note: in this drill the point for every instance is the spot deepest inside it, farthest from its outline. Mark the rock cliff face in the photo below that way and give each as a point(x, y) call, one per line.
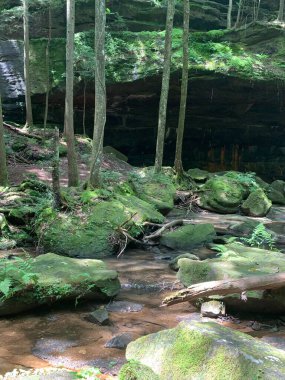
point(235, 112)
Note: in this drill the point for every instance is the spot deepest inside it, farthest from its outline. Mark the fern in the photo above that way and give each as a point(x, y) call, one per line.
point(260, 238)
point(5, 288)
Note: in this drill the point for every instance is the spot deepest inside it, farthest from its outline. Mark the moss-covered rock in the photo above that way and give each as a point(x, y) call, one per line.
point(50, 277)
point(174, 262)
point(276, 192)
point(222, 194)
point(235, 262)
point(92, 233)
point(136, 371)
point(156, 189)
point(198, 175)
point(257, 204)
point(188, 236)
point(207, 351)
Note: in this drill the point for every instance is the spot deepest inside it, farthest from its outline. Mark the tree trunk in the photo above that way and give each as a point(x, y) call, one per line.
point(100, 93)
point(84, 108)
point(165, 86)
point(3, 163)
point(229, 16)
point(281, 11)
point(223, 287)
point(55, 172)
point(68, 117)
point(240, 5)
point(184, 88)
point(47, 68)
point(29, 113)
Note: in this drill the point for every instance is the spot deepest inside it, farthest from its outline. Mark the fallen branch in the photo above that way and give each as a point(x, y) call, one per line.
point(166, 226)
point(21, 132)
point(223, 287)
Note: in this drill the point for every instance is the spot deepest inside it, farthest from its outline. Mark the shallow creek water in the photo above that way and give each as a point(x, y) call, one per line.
point(62, 337)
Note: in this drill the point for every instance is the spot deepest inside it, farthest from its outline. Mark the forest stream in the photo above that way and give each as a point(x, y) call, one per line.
point(61, 336)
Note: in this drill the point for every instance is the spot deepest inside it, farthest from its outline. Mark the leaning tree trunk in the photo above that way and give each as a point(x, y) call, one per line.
point(165, 86)
point(68, 117)
point(3, 163)
point(184, 87)
point(29, 113)
point(240, 5)
point(281, 11)
point(229, 15)
point(100, 93)
point(223, 287)
point(47, 68)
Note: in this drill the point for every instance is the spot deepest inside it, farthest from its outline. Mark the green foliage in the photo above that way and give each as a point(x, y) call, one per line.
point(247, 179)
point(15, 276)
point(260, 238)
point(88, 374)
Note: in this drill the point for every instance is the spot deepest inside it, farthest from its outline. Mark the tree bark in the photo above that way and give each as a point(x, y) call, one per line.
point(240, 5)
point(224, 287)
point(165, 86)
point(55, 172)
point(100, 93)
point(281, 11)
point(84, 108)
point(47, 68)
point(68, 117)
point(3, 162)
point(184, 88)
point(229, 15)
point(29, 113)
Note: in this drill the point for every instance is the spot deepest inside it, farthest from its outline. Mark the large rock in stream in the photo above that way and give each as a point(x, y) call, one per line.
point(204, 351)
point(235, 262)
point(188, 236)
point(93, 233)
point(50, 278)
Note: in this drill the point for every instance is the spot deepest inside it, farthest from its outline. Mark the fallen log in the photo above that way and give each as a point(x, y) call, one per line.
point(157, 234)
point(223, 287)
point(21, 132)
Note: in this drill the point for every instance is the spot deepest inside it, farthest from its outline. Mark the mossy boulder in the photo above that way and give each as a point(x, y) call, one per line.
point(188, 236)
point(257, 204)
point(50, 278)
point(276, 192)
point(136, 371)
point(235, 262)
point(198, 175)
point(206, 351)
point(156, 189)
point(174, 262)
point(92, 233)
point(221, 194)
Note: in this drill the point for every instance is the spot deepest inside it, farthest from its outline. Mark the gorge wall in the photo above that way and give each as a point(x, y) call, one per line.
point(235, 110)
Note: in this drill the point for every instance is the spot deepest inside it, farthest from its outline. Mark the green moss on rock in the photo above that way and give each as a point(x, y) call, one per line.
point(136, 371)
point(92, 233)
point(188, 236)
point(257, 204)
point(207, 351)
point(222, 194)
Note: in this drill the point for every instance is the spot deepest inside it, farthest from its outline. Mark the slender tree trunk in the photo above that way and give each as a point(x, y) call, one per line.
point(229, 16)
point(3, 163)
point(55, 172)
point(47, 68)
point(68, 118)
point(184, 87)
point(29, 113)
point(100, 93)
point(281, 11)
point(84, 108)
point(240, 4)
point(257, 8)
point(165, 86)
